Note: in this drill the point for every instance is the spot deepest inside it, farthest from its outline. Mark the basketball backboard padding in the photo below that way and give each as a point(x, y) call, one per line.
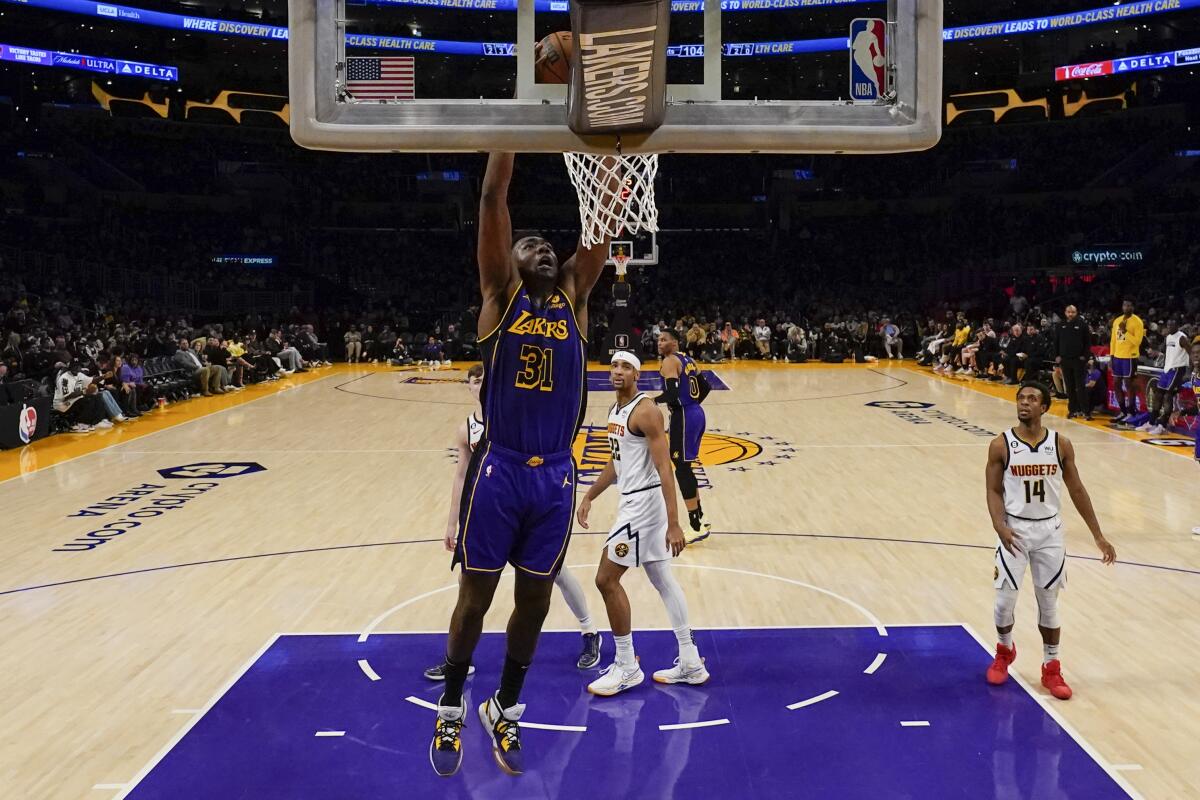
point(909, 120)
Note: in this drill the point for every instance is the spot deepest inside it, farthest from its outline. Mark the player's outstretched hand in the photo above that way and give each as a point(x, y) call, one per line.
point(675, 542)
point(1107, 551)
point(585, 507)
point(1010, 538)
point(450, 538)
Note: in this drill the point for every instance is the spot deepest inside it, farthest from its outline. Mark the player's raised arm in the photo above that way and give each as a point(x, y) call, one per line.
point(494, 249)
point(647, 421)
point(1082, 500)
point(997, 456)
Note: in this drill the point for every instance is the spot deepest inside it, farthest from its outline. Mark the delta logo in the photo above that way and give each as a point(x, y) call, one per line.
point(740, 451)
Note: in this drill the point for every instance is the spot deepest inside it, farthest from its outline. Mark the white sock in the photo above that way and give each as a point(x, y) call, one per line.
point(1049, 653)
point(688, 654)
point(572, 592)
point(671, 593)
point(1005, 638)
point(625, 655)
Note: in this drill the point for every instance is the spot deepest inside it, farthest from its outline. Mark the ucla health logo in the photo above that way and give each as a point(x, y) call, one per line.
point(213, 470)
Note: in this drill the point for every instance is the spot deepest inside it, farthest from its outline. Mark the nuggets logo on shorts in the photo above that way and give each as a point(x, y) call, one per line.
point(622, 550)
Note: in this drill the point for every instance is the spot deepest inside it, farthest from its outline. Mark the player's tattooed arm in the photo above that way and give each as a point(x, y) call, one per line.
point(608, 477)
point(1082, 500)
point(647, 421)
point(997, 455)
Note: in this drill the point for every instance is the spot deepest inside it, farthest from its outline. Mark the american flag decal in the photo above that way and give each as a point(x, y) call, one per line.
point(390, 78)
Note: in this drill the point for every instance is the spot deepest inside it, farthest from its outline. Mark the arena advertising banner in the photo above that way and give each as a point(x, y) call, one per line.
point(1108, 255)
point(109, 66)
point(1115, 13)
point(1119, 66)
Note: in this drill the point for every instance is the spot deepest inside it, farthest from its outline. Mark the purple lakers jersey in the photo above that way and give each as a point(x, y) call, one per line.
point(689, 381)
point(533, 391)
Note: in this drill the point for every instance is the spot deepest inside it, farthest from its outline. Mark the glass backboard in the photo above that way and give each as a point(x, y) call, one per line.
point(742, 75)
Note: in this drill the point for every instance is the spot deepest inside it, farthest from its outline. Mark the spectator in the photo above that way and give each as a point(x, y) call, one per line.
point(400, 356)
point(729, 341)
point(206, 377)
point(134, 374)
point(797, 343)
point(762, 338)
point(1014, 354)
point(77, 400)
point(434, 353)
point(891, 339)
point(354, 347)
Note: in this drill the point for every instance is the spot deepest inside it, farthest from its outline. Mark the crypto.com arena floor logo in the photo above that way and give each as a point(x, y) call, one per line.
point(213, 470)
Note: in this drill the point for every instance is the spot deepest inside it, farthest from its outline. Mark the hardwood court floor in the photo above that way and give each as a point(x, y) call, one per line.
point(112, 642)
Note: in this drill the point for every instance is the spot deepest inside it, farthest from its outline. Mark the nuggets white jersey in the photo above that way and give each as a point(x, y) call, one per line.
point(1032, 477)
point(474, 431)
point(630, 452)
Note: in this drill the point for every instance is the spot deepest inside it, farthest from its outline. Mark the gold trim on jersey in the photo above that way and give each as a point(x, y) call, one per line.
point(467, 521)
point(504, 316)
point(567, 536)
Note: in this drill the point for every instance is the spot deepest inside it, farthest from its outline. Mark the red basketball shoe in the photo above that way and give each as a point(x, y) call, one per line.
point(997, 673)
point(1052, 679)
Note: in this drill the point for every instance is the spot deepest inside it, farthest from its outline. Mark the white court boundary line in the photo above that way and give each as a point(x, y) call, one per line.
point(1118, 778)
point(812, 701)
point(541, 726)
point(875, 622)
point(191, 723)
point(876, 664)
point(681, 726)
point(116, 445)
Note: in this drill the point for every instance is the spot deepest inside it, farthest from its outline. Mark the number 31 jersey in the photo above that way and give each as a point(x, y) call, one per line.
point(534, 387)
point(1032, 477)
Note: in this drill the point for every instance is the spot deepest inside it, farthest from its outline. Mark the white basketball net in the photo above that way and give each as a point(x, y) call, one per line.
point(616, 194)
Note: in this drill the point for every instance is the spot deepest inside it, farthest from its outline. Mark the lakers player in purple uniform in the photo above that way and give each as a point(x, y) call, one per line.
point(684, 389)
point(519, 495)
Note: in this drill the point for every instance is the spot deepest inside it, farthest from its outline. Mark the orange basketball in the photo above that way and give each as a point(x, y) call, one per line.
point(553, 54)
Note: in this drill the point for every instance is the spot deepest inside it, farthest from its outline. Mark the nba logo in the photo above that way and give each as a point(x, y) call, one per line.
point(868, 59)
point(27, 424)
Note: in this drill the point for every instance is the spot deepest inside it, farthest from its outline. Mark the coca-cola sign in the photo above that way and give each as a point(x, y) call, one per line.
point(1077, 71)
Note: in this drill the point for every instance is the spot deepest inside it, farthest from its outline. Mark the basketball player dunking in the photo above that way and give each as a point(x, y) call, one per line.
point(684, 389)
point(466, 440)
point(1027, 466)
point(519, 494)
point(646, 533)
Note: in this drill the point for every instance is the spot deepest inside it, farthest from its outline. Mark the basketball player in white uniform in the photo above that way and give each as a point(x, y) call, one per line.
point(1027, 466)
point(466, 439)
point(646, 533)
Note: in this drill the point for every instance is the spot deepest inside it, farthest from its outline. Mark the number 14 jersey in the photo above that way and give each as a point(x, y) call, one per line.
point(1032, 477)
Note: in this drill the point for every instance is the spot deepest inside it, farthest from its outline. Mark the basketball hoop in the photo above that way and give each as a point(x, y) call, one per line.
point(605, 211)
point(621, 259)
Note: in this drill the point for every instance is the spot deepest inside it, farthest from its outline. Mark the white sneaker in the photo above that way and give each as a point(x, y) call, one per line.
point(103, 424)
point(1196, 530)
point(1157, 430)
point(695, 674)
point(446, 363)
point(121, 418)
point(1145, 427)
point(615, 679)
point(79, 427)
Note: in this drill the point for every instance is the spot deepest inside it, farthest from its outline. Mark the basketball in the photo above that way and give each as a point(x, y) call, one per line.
point(553, 63)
